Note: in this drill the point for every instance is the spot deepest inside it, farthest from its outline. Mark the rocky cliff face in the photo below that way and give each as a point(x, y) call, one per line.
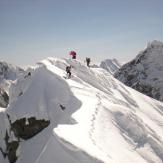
point(21, 129)
point(145, 72)
point(4, 98)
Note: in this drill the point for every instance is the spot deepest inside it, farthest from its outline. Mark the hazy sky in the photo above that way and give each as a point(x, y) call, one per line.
point(31, 30)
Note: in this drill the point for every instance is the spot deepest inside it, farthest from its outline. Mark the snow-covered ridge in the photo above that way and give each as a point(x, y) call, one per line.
point(110, 65)
point(93, 117)
point(145, 72)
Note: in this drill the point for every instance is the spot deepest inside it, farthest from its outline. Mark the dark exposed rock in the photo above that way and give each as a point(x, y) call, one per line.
point(11, 148)
point(4, 98)
point(62, 107)
point(21, 93)
point(11, 151)
point(29, 74)
point(3, 153)
point(26, 131)
point(21, 130)
point(148, 90)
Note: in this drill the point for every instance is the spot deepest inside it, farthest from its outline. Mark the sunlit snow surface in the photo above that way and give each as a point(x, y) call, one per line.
point(104, 120)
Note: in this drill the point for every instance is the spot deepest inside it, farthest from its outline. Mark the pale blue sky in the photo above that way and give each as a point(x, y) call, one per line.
point(31, 30)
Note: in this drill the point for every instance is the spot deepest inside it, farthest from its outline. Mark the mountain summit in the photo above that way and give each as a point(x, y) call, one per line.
point(90, 118)
point(145, 72)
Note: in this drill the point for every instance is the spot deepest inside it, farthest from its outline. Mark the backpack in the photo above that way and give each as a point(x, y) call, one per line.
point(88, 59)
point(68, 68)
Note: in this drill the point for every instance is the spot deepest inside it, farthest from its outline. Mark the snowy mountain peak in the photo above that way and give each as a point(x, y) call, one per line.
point(155, 44)
point(9, 71)
point(89, 118)
point(145, 72)
point(110, 65)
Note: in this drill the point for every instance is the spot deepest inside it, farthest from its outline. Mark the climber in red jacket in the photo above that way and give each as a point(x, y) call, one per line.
point(73, 54)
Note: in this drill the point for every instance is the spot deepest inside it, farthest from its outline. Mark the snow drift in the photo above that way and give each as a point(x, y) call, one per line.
point(92, 118)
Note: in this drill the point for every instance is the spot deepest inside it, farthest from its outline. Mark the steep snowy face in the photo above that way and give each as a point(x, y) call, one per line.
point(89, 118)
point(110, 65)
point(145, 72)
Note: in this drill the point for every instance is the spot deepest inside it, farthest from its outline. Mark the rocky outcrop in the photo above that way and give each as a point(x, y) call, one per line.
point(27, 128)
point(145, 72)
point(11, 148)
point(24, 128)
point(4, 99)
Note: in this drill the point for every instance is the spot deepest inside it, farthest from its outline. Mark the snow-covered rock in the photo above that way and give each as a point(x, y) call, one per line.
point(110, 65)
point(4, 98)
point(93, 117)
point(8, 73)
point(145, 72)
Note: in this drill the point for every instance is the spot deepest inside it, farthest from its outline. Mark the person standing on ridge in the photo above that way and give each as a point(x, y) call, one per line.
point(73, 54)
point(88, 60)
point(68, 70)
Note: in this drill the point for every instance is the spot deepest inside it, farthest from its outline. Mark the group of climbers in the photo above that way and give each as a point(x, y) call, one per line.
point(73, 55)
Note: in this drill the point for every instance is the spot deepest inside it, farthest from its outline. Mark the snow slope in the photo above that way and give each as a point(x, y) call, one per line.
point(110, 65)
point(145, 72)
point(104, 121)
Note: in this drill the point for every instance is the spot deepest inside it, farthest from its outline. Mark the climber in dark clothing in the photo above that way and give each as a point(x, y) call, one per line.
point(68, 70)
point(88, 60)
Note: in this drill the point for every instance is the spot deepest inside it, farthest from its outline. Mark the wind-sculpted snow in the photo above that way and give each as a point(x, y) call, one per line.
point(93, 117)
point(133, 130)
